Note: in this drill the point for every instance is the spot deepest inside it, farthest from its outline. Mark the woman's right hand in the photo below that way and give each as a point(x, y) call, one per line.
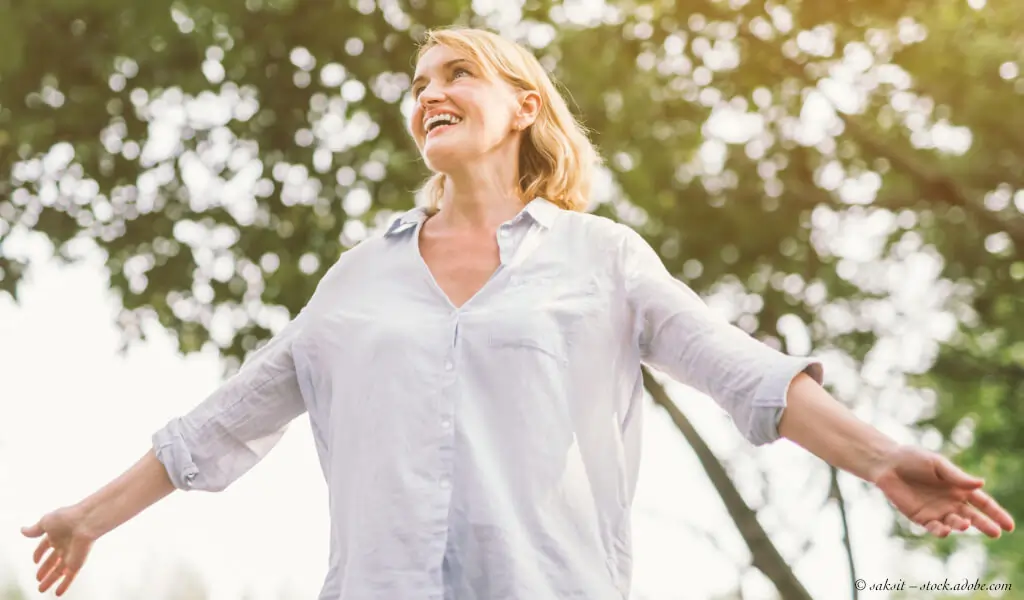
point(66, 537)
point(69, 532)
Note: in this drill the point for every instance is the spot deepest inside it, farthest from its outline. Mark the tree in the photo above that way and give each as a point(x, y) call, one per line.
point(922, 146)
point(221, 155)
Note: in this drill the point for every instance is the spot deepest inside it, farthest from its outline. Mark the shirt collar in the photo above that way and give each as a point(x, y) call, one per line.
point(541, 210)
point(407, 220)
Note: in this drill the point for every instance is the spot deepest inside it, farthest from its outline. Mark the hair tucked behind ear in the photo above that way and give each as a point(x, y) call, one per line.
point(556, 159)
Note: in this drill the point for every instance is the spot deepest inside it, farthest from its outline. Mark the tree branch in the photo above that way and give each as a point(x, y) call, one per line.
point(933, 183)
point(837, 493)
point(930, 182)
point(766, 557)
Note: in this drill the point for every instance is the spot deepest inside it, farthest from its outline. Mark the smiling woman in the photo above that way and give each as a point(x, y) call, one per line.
point(502, 462)
point(495, 88)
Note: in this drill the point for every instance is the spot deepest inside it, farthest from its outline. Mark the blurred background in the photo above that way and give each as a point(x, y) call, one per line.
point(838, 177)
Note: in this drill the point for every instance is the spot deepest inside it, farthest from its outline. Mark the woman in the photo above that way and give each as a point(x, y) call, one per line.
point(473, 377)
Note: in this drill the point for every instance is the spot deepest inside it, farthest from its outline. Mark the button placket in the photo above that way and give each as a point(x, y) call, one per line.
point(449, 393)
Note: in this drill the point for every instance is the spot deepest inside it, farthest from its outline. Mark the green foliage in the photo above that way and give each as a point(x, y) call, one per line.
point(223, 154)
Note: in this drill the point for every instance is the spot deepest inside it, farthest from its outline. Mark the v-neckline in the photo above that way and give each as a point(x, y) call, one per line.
point(429, 275)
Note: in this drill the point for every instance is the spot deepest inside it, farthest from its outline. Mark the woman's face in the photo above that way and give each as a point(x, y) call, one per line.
point(460, 114)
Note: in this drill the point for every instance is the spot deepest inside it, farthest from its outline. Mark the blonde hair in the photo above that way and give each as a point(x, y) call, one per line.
point(556, 159)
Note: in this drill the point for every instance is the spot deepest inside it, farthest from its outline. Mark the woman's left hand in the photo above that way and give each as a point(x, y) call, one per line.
point(933, 492)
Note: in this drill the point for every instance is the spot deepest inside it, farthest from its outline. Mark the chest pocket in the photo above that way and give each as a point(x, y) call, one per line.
point(524, 329)
point(547, 313)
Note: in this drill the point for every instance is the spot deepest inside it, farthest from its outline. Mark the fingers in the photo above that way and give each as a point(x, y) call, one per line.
point(32, 531)
point(980, 522)
point(51, 577)
point(967, 515)
point(948, 471)
point(957, 522)
point(938, 529)
point(991, 509)
point(60, 553)
point(47, 566)
point(41, 549)
point(68, 578)
point(70, 567)
point(50, 580)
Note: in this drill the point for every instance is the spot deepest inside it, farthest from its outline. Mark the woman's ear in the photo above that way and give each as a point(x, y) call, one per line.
point(529, 109)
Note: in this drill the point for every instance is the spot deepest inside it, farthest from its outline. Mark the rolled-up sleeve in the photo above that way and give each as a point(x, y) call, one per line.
point(678, 334)
point(239, 423)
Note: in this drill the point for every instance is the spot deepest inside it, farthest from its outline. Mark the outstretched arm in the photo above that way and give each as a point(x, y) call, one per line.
point(69, 532)
point(925, 486)
point(135, 490)
point(823, 426)
point(206, 449)
point(769, 395)
point(678, 334)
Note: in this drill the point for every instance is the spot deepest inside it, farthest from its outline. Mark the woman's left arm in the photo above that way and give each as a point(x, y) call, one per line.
point(819, 423)
point(770, 395)
point(925, 486)
point(678, 334)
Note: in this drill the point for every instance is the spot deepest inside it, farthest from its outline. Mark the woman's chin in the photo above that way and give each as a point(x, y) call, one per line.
point(445, 158)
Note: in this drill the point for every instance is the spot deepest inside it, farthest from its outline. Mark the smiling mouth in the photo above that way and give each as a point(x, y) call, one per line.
point(440, 127)
point(441, 122)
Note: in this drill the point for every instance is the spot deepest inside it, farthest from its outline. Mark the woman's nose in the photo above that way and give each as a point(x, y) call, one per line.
point(431, 94)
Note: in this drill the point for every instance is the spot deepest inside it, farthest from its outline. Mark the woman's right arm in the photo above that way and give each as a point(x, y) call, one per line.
point(205, 449)
point(70, 531)
point(138, 488)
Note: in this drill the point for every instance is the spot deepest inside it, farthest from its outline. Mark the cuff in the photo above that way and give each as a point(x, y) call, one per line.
point(770, 399)
point(172, 451)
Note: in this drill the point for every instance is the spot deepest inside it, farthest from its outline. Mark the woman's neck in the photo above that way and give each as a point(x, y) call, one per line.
point(479, 202)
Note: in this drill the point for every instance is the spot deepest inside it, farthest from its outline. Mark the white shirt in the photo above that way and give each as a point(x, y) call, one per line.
point(487, 452)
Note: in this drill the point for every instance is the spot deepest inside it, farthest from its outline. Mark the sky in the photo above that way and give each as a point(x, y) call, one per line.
point(74, 414)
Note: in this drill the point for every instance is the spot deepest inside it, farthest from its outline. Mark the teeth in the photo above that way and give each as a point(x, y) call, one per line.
point(441, 118)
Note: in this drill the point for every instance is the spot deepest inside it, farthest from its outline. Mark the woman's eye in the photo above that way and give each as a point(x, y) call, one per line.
point(456, 72)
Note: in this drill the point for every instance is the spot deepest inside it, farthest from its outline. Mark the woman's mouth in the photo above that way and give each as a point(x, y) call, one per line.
point(440, 128)
point(441, 122)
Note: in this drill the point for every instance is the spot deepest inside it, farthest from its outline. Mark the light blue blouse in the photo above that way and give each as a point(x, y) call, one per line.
point(487, 452)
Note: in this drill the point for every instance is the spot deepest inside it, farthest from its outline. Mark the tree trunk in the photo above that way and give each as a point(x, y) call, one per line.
point(766, 557)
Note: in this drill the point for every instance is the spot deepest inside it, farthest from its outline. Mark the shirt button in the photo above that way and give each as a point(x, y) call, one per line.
point(445, 484)
point(448, 366)
point(503, 232)
point(446, 423)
